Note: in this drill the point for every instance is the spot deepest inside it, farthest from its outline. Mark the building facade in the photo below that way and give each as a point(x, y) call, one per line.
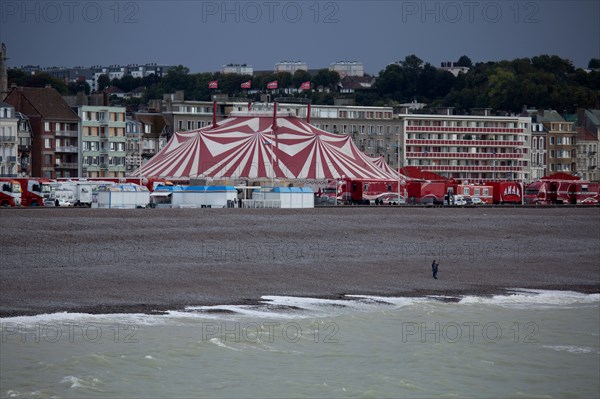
point(8, 141)
point(240, 69)
point(467, 147)
point(54, 129)
point(133, 134)
point(348, 68)
point(539, 139)
point(561, 141)
point(24, 137)
point(587, 155)
point(103, 141)
point(290, 66)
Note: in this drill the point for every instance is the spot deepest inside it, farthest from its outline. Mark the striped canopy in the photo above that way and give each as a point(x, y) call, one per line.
point(247, 146)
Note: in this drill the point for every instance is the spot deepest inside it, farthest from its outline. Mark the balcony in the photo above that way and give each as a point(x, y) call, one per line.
point(66, 165)
point(70, 149)
point(469, 155)
point(465, 143)
point(11, 159)
point(66, 133)
point(470, 168)
point(464, 130)
point(8, 139)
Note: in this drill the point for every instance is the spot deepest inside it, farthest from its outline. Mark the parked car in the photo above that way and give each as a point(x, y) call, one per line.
point(52, 202)
point(477, 201)
point(392, 199)
point(459, 200)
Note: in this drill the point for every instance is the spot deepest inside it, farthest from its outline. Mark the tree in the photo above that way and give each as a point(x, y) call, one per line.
point(103, 82)
point(412, 62)
point(465, 61)
point(300, 76)
point(81, 85)
point(594, 63)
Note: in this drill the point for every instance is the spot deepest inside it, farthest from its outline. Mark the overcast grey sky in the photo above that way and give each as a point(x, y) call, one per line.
point(204, 35)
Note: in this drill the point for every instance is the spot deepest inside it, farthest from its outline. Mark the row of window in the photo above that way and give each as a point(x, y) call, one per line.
point(96, 161)
point(95, 146)
point(60, 127)
point(190, 125)
point(464, 123)
point(101, 116)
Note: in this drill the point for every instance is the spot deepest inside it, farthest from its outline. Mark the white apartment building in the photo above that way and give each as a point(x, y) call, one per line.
point(468, 147)
point(8, 141)
point(348, 68)
point(290, 66)
point(240, 69)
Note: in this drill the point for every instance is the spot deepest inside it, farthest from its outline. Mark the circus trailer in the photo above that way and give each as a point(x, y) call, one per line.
point(561, 188)
point(365, 191)
point(426, 192)
point(34, 191)
point(121, 196)
point(10, 192)
point(81, 190)
point(507, 192)
point(484, 192)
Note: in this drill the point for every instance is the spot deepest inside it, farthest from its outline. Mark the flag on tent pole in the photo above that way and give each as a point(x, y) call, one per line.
point(272, 85)
point(213, 84)
point(305, 86)
point(246, 85)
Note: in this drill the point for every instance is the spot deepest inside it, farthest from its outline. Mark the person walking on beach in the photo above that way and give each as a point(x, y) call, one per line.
point(434, 269)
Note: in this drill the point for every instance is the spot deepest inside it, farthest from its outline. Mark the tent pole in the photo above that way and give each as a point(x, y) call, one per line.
point(308, 114)
point(214, 121)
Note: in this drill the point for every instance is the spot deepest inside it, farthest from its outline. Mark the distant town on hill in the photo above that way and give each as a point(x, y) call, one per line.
point(544, 81)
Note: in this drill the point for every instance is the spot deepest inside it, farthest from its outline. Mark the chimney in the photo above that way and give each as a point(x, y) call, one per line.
point(581, 117)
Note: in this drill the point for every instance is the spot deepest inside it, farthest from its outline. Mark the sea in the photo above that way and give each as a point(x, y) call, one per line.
point(526, 344)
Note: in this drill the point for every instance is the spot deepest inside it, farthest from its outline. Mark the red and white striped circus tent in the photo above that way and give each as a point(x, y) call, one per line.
point(247, 146)
point(381, 164)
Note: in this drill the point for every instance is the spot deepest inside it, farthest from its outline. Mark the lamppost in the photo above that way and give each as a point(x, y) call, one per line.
point(140, 152)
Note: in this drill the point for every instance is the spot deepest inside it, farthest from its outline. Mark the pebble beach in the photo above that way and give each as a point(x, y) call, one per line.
point(153, 260)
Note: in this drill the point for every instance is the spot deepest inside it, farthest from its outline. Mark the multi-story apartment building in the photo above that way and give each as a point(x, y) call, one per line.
point(8, 141)
point(24, 138)
point(103, 141)
point(587, 154)
point(588, 144)
point(240, 69)
point(133, 134)
point(539, 138)
point(348, 68)
point(290, 66)
point(561, 144)
point(54, 128)
point(467, 147)
point(154, 127)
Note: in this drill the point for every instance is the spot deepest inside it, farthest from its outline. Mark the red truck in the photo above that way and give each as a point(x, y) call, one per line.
point(34, 191)
point(10, 192)
point(562, 188)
